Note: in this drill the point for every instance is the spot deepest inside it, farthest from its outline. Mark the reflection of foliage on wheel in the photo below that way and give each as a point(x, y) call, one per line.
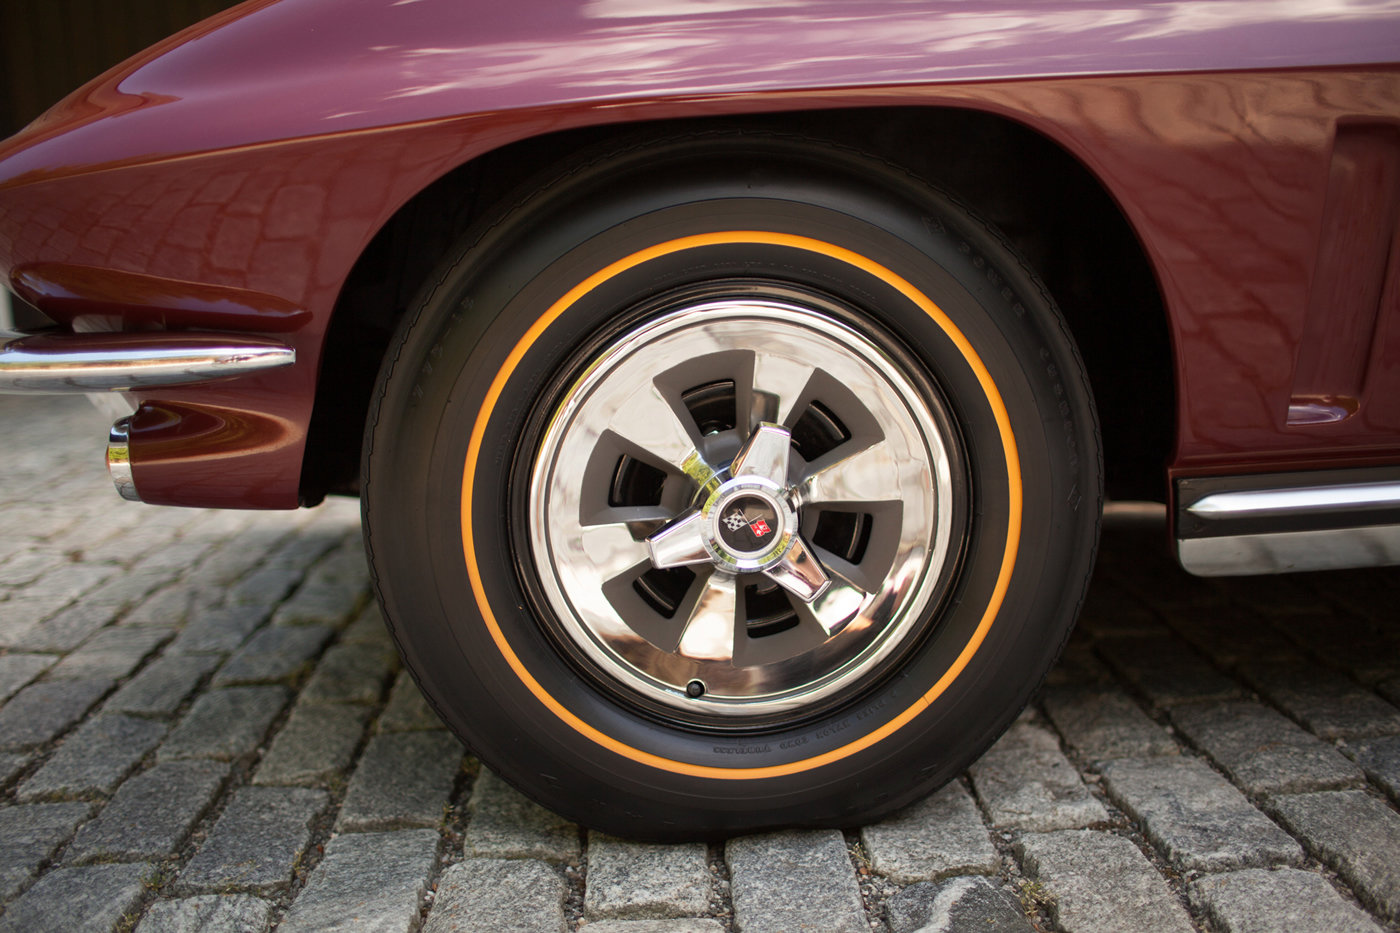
point(731, 481)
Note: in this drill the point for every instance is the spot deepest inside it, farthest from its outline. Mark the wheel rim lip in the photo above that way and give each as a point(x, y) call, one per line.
point(929, 577)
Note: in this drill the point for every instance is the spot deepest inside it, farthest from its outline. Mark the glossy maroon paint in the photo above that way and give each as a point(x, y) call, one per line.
point(260, 151)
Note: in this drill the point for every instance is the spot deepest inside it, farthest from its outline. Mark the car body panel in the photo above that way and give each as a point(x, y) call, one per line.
point(227, 159)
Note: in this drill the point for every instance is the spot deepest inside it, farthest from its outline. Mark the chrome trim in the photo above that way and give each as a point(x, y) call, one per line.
point(119, 459)
point(123, 362)
point(589, 554)
point(1287, 552)
point(1303, 500)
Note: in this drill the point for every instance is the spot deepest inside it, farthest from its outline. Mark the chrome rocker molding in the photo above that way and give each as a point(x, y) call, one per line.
point(119, 460)
point(1296, 522)
point(124, 362)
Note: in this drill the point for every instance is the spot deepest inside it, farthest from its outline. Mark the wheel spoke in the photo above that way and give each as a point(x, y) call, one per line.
point(709, 632)
point(778, 382)
point(600, 553)
point(800, 573)
point(679, 542)
point(838, 607)
point(869, 475)
point(765, 454)
point(647, 420)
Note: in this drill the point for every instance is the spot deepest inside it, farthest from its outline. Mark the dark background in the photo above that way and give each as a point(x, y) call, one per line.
point(51, 47)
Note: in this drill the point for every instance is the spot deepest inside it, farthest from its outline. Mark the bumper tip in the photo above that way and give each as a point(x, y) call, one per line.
point(119, 459)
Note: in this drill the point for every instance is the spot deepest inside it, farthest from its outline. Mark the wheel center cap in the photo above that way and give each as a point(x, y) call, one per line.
point(749, 524)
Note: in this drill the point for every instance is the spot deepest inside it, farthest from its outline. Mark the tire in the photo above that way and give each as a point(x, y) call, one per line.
point(731, 482)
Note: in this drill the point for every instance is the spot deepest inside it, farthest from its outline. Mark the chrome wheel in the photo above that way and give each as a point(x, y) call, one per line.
point(744, 508)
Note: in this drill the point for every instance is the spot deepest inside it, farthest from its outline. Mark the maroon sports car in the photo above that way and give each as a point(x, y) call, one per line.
point(733, 387)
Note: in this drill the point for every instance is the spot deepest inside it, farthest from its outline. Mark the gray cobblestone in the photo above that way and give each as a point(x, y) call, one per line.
point(1167, 671)
point(267, 586)
point(1078, 665)
point(125, 590)
point(1362, 649)
point(1199, 820)
point(1390, 689)
point(1110, 612)
point(41, 711)
point(1257, 901)
point(314, 747)
point(111, 653)
point(636, 880)
point(225, 724)
point(496, 895)
point(794, 881)
point(367, 881)
point(29, 565)
point(94, 898)
point(938, 837)
point(507, 824)
point(11, 765)
point(219, 631)
point(407, 709)
point(1100, 883)
point(63, 632)
point(170, 606)
point(152, 814)
point(1027, 783)
point(209, 913)
point(163, 685)
point(29, 836)
point(1356, 834)
point(351, 674)
point(1228, 635)
point(1380, 759)
point(16, 670)
point(402, 781)
point(70, 580)
point(256, 842)
point(275, 655)
point(1263, 752)
point(687, 925)
point(95, 758)
point(1103, 722)
point(368, 629)
point(1326, 703)
point(959, 905)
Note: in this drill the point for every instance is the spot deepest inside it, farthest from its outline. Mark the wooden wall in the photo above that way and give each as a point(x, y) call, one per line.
point(50, 47)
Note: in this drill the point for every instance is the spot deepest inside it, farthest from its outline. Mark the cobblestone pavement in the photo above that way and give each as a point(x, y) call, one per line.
point(205, 728)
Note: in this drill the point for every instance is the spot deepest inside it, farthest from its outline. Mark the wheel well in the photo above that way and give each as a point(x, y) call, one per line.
point(1042, 198)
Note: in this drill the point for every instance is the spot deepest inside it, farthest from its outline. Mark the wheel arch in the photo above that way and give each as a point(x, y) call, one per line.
point(1048, 203)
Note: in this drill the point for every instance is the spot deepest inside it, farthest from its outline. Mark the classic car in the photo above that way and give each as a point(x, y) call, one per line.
point(733, 387)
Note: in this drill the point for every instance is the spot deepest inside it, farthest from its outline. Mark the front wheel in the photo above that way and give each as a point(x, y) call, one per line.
point(731, 482)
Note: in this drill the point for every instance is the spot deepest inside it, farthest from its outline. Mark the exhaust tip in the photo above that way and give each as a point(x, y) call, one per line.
point(119, 459)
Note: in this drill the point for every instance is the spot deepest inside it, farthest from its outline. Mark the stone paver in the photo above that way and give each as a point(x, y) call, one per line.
point(1228, 635)
point(314, 747)
point(163, 685)
point(225, 724)
point(12, 764)
point(1026, 782)
point(29, 836)
point(637, 880)
point(1326, 703)
point(959, 905)
point(1100, 883)
point(1195, 817)
point(794, 881)
point(407, 709)
point(41, 711)
point(1167, 670)
point(367, 881)
point(368, 629)
point(93, 898)
point(209, 913)
point(1357, 835)
point(1380, 759)
point(1262, 751)
point(507, 824)
point(152, 814)
point(496, 895)
point(1257, 901)
point(274, 655)
point(95, 758)
point(938, 837)
point(354, 673)
point(16, 670)
point(688, 925)
point(256, 842)
point(218, 631)
point(402, 781)
point(1103, 722)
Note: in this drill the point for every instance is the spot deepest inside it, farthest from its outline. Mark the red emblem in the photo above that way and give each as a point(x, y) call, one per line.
point(759, 528)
